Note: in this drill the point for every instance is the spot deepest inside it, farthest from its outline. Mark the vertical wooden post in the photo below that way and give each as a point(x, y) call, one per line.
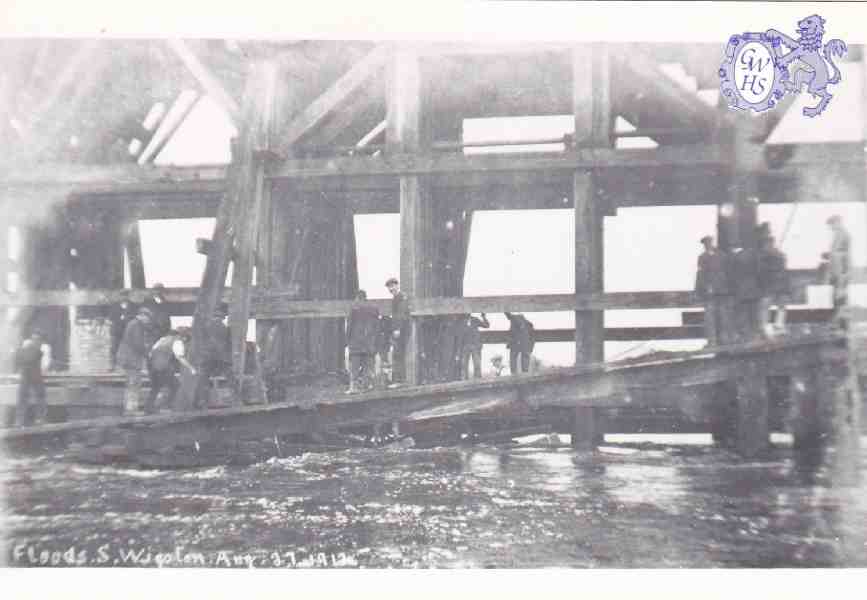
point(591, 107)
point(591, 90)
point(253, 188)
point(585, 432)
point(804, 396)
point(752, 418)
point(132, 244)
point(403, 135)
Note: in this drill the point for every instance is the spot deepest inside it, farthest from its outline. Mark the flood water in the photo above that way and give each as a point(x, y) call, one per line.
point(481, 506)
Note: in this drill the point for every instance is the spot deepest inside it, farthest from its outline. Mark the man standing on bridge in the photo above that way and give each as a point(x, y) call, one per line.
point(362, 329)
point(712, 286)
point(401, 326)
point(471, 345)
point(839, 263)
point(28, 363)
point(131, 357)
point(121, 314)
point(520, 343)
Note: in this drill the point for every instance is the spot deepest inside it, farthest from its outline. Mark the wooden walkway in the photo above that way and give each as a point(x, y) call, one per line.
point(597, 386)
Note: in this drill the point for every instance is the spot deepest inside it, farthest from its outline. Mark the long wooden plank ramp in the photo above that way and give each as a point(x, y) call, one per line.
point(596, 386)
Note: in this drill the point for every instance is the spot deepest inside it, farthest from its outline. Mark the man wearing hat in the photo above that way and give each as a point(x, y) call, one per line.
point(132, 355)
point(401, 325)
point(712, 286)
point(839, 266)
point(156, 303)
point(121, 314)
point(28, 363)
point(165, 360)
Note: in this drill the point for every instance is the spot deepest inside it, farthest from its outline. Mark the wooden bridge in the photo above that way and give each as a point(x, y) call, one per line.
point(724, 390)
point(329, 130)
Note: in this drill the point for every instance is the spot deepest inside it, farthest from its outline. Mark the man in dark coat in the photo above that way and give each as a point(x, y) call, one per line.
point(121, 313)
point(156, 303)
point(471, 345)
point(520, 343)
point(362, 330)
point(840, 263)
point(132, 355)
point(401, 326)
point(712, 286)
point(28, 363)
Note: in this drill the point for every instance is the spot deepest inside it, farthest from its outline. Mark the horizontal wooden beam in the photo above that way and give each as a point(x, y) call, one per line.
point(97, 179)
point(806, 174)
point(398, 165)
point(106, 297)
point(612, 334)
point(266, 306)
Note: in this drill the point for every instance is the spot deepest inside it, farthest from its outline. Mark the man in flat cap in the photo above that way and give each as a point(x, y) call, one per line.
point(401, 326)
point(132, 355)
point(167, 358)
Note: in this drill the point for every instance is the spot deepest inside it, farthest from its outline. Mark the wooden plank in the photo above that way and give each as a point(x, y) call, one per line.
point(645, 72)
point(332, 98)
point(163, 135)
point(366, 100)
point(209, 82)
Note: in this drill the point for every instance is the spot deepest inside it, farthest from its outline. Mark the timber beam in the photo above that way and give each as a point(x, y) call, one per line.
point(805, 166)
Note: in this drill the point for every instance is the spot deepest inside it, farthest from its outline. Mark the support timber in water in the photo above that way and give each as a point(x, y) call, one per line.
point(285, 209)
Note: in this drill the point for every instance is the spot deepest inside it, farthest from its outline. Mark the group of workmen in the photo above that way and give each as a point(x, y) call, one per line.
point(143, 341)
point(738, 287)
point(376, 344)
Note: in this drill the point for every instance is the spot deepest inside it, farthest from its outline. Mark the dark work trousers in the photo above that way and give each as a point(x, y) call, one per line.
point(476, 355)
point(161, 379)
point(398, 363)
point(30, 385)
point(718, 320)
point(841, 301)
point(513, 361)
point(748, 319)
